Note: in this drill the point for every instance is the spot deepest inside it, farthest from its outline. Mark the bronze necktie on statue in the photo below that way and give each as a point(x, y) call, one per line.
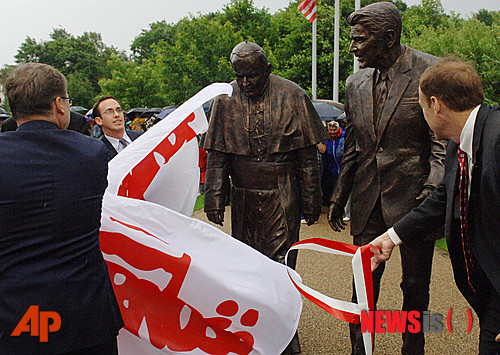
point(379, 96)
point(464, 226)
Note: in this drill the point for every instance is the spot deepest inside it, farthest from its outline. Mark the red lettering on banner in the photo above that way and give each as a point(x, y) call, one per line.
point(170, 321)
point(413, 319)
point(396, 321)
point(137, 181)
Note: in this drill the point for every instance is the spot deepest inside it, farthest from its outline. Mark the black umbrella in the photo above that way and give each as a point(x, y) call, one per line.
point(166, 111)
point(328, 110)
point(79, 109)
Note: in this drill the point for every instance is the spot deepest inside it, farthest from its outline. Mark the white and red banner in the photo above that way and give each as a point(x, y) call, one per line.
point(184, 286)
point(361, 267)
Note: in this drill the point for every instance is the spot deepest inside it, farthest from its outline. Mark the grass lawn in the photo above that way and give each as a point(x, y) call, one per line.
point(441, 243)
point(200, 200)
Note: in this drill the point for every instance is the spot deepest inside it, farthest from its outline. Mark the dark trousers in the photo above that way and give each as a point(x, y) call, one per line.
point(489, 323)
point(416, 264)
point(328, 181)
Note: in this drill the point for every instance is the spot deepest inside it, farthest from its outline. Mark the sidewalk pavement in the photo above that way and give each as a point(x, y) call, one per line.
point(321, 333)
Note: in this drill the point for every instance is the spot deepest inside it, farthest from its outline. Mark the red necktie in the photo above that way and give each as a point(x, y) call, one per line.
point(464, 200)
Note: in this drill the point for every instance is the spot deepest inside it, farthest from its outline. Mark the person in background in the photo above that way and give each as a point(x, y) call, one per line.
point(77, 122)
point(202, 163)
point(467, 202)
point(9, 124)
point(332, 150)
point(52, 183)
point(392, 159)
point(109, 116)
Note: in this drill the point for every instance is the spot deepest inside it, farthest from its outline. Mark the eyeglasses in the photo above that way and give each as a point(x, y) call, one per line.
point(111, 111)
point(70, 100)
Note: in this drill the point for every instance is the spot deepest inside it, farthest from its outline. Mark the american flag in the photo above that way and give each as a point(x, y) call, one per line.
point(308, 8)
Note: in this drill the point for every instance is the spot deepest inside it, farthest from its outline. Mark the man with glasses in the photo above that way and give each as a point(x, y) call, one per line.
point(109, 115)
point(52, 183)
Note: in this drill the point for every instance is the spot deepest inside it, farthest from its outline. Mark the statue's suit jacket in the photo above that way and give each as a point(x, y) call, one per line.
point(133, 135)
point(397, 160)
point(442, 207)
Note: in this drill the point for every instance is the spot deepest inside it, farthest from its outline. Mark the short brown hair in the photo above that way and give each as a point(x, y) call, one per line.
point(95, 108)
point(455, 82)
point(32, 87)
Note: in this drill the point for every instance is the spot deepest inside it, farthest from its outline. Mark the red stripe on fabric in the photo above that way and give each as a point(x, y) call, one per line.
point(366, 256)
point(342, 315)
point(331, 244)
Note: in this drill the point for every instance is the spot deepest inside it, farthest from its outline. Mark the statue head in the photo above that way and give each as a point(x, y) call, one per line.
point(251, 69)
point(376, 34)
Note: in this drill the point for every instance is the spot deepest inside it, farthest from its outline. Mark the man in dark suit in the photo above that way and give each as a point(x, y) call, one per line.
point(51, 186)
point(468, 200)
point(77, 122)
point(389, 149)
point(108, 114)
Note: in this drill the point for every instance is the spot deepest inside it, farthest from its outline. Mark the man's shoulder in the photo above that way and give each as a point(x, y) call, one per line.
point(134, 134)
point(420, 59)
point(360, 76)
point(86, 142)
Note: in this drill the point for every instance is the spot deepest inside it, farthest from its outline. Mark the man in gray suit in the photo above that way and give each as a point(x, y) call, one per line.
point(392, 160)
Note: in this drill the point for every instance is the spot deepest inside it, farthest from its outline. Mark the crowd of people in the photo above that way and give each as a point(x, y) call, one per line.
point(419, 151)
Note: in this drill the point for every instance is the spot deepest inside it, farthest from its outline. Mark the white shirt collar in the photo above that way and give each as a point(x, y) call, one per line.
point(468, 132)
point(116, 142)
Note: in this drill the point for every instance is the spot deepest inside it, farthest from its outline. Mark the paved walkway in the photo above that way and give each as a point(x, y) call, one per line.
point(321, 333)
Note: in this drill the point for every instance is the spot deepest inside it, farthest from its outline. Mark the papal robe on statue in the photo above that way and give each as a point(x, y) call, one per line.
point(267, 145)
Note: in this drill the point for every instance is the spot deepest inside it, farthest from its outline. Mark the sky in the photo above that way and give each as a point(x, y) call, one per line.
point(120, 21)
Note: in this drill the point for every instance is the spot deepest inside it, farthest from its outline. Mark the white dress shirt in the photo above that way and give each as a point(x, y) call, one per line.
point(116, 142)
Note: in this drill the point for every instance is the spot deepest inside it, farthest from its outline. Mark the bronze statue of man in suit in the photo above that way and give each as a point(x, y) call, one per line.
point(264, 136)
point(392, 159)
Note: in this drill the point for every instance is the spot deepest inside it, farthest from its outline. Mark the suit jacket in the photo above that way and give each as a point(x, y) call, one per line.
point(484, 205)
point(51, 186)
point(400, 158)
point(77, 122)
point(133, 135)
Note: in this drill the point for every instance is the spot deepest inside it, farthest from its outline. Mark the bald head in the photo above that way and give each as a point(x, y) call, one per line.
point(247, 49)
point(251, 69)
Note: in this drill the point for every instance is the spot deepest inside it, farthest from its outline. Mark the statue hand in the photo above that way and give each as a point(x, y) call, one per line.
point(427, 191)
point(335, 217)
point(216, 217)
point(311, 218)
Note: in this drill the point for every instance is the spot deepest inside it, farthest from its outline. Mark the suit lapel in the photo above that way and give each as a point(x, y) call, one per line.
point(478, 130)
point(398, 87)
point(366, 87)
point(476, 143)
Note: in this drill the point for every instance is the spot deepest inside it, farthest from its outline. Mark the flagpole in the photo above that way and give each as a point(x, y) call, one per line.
point(314, 69)
point(336, 52)
point(357, 5)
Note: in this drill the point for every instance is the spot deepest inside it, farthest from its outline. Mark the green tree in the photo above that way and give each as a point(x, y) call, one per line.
point(81, 59)
point(471, 40)
point(142, 46)
point(253, 24)
point(133, 85)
